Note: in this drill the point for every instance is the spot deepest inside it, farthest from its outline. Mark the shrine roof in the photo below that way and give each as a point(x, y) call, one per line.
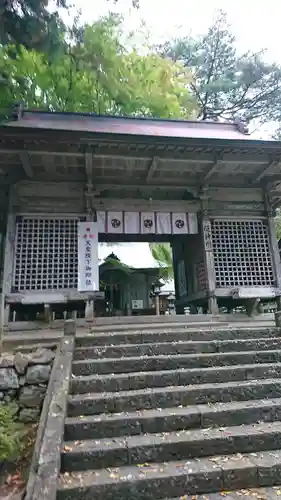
point(130, 126)
point(134, 158)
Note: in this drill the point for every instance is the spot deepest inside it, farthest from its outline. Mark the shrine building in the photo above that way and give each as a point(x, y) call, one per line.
point(208, 188)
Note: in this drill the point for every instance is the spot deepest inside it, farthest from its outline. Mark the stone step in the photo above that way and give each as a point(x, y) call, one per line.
point(170, 348)
point(166, 397)
point(172, 419)
point(141, 380)
point(266, 493)
point(168, 334)
point(162, 362)
point(173, 479)
point(140, 323)
point(164, 446)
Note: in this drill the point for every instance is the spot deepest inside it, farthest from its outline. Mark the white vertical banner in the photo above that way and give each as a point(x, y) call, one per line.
point(207, 235)
point(101, 222)
point(148, 223)
point(180, 223)
point(88, 264)
point(132, 222)
point(163, 223)
point(193, 223)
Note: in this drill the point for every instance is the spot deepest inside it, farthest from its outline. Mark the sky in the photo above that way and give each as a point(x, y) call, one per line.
point(132, 254)
point(255, 24)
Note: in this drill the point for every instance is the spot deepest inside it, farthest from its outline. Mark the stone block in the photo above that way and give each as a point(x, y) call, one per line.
point(89, 406)
point(32, 396)
point(29, 415)
point(69, 327)
point(41, 357)
point(269, 467)
point(277, 316)
point(37, 374)
point(239, 473)
point(8, 379)
point(78, 429)
point(95, 455)
point(7, 360)
point(21, 362)
point(9, 396)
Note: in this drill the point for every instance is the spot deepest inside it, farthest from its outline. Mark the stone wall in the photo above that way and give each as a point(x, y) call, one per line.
point(23, 379)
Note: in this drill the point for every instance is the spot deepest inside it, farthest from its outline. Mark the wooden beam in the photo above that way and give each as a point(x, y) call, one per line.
point(152, 168)
point(165, 184)
point(266, 169)
point(25, 162)
point(210, 170)
point(275, 192)
point(246, 159)
point(47, 164)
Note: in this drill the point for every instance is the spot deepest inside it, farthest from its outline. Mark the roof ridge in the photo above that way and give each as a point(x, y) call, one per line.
point(18, 111)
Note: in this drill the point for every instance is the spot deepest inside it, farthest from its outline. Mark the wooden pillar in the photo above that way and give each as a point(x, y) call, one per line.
point(208, 257)
point(175, 271)
point(273, 246)
point(8, 265)
point(157, 305)
point(180, 276)
point(129, 301)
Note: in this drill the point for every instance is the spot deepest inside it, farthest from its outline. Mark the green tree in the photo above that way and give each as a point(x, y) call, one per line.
point(35, 24)
point(96, 73)
point(227, 85)
point(162, 253)
point(30, 23)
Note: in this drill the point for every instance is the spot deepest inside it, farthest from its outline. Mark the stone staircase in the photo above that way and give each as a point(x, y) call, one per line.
point(168, 412)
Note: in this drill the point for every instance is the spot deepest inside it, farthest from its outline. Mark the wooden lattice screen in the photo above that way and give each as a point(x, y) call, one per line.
point(242, 253)
point(45, 254)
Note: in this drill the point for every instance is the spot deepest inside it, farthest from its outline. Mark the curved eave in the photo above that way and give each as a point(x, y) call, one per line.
point(81, 137)
point(126, 161)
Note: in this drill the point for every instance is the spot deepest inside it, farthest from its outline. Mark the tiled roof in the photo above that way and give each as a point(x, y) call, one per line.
point(131, 126)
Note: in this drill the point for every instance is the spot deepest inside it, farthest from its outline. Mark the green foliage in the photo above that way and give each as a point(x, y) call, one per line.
point(227, 85)
point(11, 432)
point(96, 73)
point(162, 253)
point(31, 24)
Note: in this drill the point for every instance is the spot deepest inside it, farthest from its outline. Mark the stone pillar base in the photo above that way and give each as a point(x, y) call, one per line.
point(69, 327)
point(213, 305)
point(277, 316)
point(89, 310)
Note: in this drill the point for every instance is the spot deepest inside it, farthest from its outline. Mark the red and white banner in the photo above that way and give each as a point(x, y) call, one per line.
point(88, 263)
point(147, 222)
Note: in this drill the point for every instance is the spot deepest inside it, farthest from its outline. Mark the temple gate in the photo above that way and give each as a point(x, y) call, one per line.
point(208, 188)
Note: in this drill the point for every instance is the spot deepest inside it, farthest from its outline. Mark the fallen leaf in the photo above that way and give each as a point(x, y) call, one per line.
point(113, 475)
